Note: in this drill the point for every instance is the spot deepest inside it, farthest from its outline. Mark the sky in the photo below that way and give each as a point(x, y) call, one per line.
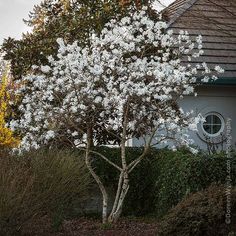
point(12, 13)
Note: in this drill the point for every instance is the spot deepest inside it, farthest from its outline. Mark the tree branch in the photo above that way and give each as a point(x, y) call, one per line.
point(104, 158)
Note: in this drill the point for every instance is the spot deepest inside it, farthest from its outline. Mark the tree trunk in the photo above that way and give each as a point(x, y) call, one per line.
point(123, 185)
point(96, 177)
point(122, 191)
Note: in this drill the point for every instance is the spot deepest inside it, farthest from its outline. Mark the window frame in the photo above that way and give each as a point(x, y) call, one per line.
point(218, 115)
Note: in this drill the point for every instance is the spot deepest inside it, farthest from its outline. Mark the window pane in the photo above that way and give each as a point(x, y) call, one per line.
point(207, 128)
point(208, 120)
point(216, 120)
point(216, 129)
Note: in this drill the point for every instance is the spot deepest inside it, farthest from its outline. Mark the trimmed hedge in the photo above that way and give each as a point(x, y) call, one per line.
point(164, 177)
point(182, 173)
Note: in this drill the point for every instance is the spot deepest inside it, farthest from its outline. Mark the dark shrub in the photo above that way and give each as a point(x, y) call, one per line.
point(39, 183)
point(201, 213)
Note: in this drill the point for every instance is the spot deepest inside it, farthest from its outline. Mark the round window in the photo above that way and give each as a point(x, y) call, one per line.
point(213, 125)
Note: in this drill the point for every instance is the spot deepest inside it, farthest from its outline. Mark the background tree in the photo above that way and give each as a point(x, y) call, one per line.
point(68, 19)
point(7, 139)
point(125, 83)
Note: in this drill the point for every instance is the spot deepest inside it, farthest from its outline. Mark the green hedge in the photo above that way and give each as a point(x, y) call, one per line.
point(182, 173)
point(165, 177)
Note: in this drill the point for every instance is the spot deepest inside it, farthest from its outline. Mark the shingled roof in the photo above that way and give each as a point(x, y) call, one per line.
point(215, 20)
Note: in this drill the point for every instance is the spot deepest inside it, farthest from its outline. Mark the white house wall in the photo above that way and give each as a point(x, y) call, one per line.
point(217, 99)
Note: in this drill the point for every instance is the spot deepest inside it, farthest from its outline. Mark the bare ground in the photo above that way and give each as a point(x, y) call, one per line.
point(91, 227)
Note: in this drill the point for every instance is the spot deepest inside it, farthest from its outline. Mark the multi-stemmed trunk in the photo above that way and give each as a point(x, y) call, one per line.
point(121, 192)
point(123, 184)
point(122, 188)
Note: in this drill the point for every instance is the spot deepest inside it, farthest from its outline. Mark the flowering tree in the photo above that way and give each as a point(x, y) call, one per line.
point(125, 85)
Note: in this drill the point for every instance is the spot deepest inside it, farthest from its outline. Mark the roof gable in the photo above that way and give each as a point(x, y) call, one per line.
point(215, 20)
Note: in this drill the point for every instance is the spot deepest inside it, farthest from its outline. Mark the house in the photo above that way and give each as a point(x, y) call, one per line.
point(215, 20)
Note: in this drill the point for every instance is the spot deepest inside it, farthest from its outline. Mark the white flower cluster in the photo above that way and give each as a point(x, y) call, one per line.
point(131, 75)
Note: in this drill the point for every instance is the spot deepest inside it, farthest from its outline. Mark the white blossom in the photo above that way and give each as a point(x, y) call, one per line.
point(113, 80)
